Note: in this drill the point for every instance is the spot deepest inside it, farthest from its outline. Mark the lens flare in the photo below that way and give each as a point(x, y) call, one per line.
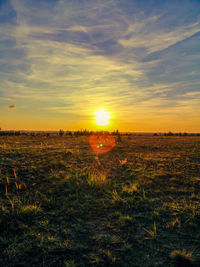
point(101, 142)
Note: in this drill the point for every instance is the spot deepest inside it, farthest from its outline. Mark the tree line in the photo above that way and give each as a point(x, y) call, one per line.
point(85, 132)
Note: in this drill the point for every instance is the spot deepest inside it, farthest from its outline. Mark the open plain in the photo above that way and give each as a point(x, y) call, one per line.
point(61, 204)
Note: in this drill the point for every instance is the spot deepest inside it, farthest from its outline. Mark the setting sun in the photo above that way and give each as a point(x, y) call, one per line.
point(102, 117)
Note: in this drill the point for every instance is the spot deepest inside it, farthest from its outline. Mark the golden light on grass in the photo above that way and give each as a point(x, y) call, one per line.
point(102, 117)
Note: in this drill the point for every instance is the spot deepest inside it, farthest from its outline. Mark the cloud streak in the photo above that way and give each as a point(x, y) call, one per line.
point(67, 58)
point(12, 106)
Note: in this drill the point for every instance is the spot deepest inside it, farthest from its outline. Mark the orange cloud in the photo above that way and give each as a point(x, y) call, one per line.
point(12, 106)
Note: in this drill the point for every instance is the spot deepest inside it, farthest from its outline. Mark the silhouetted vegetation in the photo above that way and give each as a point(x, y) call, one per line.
point(85, 132)
point(61, 133)
point(10, 133)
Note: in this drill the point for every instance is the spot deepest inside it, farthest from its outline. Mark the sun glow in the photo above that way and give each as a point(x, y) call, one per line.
point(102, 117)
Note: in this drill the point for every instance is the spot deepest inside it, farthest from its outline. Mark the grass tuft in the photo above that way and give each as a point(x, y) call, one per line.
point(182, 258)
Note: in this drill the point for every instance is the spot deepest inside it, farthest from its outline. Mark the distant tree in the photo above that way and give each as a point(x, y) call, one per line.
point(69, 133)
point(17, 132)
point(170, 133)
point(155, 134)
point(185, 134)
point(119, 138)
point(61, 132)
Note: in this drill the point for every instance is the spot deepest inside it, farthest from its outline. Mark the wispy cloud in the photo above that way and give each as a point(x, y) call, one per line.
point(5, 98)
point(66, 58)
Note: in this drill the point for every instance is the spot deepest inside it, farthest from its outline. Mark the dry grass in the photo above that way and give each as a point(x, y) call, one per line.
point(62, 205)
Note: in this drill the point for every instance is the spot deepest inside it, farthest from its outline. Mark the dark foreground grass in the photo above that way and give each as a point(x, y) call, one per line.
point(60, 205)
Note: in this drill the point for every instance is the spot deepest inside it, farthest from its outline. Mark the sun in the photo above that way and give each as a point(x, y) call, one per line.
point(102, 117)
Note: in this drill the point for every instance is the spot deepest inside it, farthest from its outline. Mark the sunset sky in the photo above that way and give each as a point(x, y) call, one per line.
point(61, 61)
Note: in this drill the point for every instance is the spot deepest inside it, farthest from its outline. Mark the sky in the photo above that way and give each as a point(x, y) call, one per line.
point(62, 60)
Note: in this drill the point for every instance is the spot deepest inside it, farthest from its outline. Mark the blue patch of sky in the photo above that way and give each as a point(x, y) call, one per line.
point(177, 63)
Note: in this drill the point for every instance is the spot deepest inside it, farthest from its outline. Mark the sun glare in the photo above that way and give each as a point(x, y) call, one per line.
point(102, 117)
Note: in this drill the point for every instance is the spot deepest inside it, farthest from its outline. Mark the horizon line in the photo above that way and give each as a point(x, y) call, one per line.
point(82, 130)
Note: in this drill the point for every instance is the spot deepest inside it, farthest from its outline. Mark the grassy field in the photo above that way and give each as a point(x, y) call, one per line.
point(61, 205)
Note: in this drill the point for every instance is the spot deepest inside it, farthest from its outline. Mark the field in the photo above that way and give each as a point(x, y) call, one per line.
point(63, 205)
